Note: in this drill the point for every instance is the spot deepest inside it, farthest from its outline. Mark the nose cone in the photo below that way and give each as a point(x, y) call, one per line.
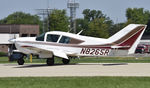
point(12, 40)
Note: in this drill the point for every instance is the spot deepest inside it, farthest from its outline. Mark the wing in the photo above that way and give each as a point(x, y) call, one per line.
point(56, 52)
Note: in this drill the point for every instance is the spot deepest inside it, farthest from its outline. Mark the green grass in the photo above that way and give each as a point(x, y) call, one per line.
point(4, 60)
point(115, 60)
point(75, 82)
point(89, 60)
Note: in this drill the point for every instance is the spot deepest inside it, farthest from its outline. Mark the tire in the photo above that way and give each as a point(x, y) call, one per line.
point(20, 61)
point(65, 61)
point(50, 61)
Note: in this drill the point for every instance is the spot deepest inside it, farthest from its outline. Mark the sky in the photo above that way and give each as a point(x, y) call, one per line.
point(115, 9)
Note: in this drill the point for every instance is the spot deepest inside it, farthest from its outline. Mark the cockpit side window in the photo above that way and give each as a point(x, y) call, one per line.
point(69, 40)
point(52, 38)
point(41, 37)
point(65, 40)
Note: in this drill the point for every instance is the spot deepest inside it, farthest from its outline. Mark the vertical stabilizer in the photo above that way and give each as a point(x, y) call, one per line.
point(129, 37)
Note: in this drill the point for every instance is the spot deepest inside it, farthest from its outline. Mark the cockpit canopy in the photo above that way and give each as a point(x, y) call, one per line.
point(58, 39)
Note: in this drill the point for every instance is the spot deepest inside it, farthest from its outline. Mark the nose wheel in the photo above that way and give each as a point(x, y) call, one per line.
point(19, 57)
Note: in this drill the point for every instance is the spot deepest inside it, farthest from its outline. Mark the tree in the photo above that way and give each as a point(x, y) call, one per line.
point(147, 31)
point(58, 20)
point(137, 15)
point(95, 23)
point(90, 15)
point(21, 18)
point(98, 28)
point(82, 24)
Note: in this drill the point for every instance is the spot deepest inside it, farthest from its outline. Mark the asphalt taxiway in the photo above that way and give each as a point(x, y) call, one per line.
point(82, 69)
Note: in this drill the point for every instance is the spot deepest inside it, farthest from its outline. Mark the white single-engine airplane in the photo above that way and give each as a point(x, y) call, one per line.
point(64, 45)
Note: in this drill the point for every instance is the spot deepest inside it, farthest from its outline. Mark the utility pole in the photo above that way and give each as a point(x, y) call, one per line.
point(72, 5)
point(45, 13)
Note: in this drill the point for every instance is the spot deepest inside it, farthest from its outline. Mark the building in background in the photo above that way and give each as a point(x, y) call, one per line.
point(14, 31)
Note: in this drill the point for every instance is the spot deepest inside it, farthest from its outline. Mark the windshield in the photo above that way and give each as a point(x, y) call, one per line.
point(52, 38)
point(41, 37)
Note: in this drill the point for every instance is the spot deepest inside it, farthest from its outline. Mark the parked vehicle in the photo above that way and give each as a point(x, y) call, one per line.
point(147, 49)
point(143, 49)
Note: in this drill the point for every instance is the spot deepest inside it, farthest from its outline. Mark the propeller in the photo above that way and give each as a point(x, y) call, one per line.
point(11, 46)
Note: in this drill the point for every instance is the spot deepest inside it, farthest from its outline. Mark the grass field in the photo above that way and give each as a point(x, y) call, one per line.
point(89, 60)
point(75, 82)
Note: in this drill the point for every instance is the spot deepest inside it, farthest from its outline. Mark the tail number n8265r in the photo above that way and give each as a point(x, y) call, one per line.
point(95, 51)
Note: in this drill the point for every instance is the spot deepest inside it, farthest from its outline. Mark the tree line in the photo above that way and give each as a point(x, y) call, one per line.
point(94, 23)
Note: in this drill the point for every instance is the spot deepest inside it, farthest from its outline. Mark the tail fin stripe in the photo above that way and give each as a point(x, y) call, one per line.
point(133, 34)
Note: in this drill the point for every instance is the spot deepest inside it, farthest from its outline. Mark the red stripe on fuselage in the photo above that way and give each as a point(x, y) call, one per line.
point(26, 46)
point(71, 45)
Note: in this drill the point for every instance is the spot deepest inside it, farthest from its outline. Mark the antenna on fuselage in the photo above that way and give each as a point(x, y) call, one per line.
point(70, 30)
point(80, 32)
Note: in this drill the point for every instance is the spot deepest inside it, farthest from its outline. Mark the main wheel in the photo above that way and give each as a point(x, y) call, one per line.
point(20, 61)
point(50, 61)
point(66, 61)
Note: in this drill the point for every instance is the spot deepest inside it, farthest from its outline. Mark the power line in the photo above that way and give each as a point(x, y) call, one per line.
point(45, 13)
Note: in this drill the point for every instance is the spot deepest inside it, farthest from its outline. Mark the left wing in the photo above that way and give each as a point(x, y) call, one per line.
point(56, 52)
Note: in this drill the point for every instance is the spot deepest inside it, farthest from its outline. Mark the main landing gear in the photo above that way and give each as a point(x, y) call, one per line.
point(20, 61)
point(65, 61)
point(50, 61)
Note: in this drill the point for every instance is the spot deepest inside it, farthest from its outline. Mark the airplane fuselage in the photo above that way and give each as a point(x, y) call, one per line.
point(27, 47)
